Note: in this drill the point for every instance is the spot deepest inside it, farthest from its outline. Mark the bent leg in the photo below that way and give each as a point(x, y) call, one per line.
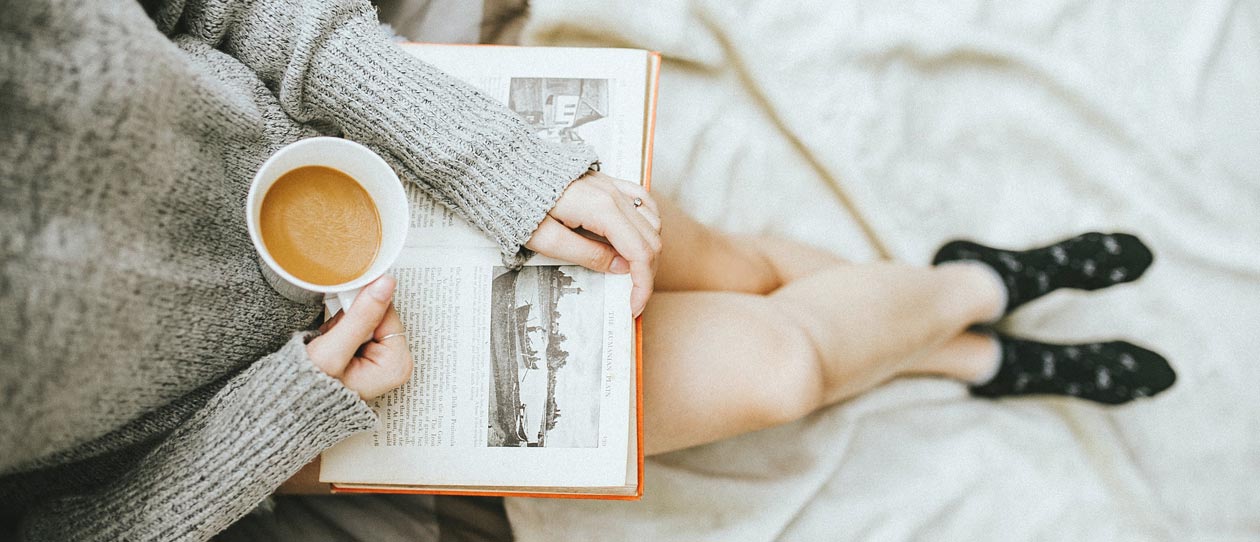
point(969, 357)
point(695, 257)
point(869, 322)
point(719, 364)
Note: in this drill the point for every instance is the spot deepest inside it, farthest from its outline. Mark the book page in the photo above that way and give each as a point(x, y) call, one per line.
point(522, 378)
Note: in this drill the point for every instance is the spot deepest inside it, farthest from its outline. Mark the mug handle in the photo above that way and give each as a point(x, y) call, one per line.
point(345, 299)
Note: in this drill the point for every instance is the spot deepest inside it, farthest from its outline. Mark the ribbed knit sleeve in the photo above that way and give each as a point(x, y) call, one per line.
point(471, 152)
point(260, 429)
point(331, 65)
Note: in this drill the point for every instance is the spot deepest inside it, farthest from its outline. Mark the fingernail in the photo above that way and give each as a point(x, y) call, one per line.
point(381, 289)
point(619, 265)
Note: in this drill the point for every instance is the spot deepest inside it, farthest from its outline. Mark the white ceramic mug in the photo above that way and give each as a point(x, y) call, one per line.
point(376, 177)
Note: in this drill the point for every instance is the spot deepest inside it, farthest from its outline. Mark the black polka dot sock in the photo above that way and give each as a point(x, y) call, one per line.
point(1087, 262)
point(1110, 373)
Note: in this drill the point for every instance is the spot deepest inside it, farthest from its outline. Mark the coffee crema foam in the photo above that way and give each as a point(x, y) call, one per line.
point(320, 225)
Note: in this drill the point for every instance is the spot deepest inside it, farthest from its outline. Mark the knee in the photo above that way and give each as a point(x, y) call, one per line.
point(793, 384)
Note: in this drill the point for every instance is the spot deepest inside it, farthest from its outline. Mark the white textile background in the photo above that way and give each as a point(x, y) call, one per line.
point(1012, 123)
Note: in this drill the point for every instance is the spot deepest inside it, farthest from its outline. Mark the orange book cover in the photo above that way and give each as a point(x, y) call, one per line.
point(653, 75)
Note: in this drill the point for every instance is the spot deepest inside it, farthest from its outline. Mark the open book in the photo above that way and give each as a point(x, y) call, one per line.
point(526, 382)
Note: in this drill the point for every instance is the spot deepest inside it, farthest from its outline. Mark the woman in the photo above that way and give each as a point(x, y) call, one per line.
point(153, 384)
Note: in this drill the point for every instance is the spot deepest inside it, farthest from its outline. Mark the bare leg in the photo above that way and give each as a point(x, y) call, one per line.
point(719, 364)
point(696, 258)
point(969, 357)
point(750, 332)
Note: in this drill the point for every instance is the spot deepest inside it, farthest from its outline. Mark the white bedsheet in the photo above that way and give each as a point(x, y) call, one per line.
point(1013, 123)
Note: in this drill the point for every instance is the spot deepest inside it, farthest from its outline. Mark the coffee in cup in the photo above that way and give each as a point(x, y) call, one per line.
point(320, 225)
point(327, 216)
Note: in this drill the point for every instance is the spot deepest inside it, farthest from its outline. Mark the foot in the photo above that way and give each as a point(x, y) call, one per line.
point(1111, 373)
point(1086, 262)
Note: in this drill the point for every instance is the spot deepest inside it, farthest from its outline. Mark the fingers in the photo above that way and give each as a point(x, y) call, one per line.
point(648, 208)
point(628, 238)
point(327, 325)
point(640, 220)
point(646, 221)
point(556, 240)
point(646, 216)
point(381, 367)
point(596, 203)
point(390, 324)
point(334, 349)
point(642, 265)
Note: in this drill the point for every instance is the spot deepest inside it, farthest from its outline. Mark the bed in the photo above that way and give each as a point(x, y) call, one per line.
point(882, 128)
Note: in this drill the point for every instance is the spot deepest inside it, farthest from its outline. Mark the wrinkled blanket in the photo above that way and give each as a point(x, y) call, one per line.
point(1012, 123)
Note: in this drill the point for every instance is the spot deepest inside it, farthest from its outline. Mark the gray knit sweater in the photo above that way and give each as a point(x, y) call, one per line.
point(152, 386)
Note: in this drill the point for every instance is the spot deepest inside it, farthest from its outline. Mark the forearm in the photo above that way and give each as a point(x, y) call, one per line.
point(468, 151)
point(253, 435)
point(331, 66)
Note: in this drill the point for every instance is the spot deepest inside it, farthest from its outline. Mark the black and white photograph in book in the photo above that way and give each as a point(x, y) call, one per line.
point(546, 345)
point(561, 109)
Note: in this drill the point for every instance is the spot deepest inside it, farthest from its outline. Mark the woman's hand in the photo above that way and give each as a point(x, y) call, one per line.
point(351, 350)
point(604, 206)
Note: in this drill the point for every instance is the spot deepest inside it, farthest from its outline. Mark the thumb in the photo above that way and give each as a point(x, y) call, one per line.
point(357, 325)
point(558, 241)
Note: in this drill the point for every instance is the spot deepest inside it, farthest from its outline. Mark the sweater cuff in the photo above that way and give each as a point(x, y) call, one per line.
point(254, 434)
point(472, 153)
